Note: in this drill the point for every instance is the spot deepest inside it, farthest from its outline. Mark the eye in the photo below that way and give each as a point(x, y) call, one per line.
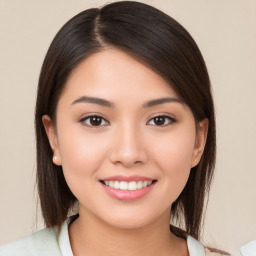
point(161, 120)
point(94, 121)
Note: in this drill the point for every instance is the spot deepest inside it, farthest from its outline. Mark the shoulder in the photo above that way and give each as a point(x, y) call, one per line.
point(39, 243)
point(197, 249)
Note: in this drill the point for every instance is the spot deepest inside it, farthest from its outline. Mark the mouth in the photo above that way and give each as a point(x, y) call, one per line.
point(129, 186)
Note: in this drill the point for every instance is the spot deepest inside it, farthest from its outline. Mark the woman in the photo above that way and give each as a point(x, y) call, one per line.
point(125, 136)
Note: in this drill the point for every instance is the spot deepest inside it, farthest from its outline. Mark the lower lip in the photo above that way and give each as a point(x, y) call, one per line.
point(128, 195)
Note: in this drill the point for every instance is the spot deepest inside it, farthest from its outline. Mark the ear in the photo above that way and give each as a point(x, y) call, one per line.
point(53, 139)
point(200, 141)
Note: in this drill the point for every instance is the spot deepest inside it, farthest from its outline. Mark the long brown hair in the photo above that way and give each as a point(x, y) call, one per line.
point(162, 44)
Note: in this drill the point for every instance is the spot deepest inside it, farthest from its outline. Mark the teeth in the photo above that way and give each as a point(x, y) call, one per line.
point(116, 184)
point(139, 185)
point(123, 185)
point(132, 185)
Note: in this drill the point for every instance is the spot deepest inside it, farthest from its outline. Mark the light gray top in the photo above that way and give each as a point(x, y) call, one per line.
point(48, 242)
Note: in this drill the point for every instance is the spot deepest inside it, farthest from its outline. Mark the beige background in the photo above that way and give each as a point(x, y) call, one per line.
point(225, 32)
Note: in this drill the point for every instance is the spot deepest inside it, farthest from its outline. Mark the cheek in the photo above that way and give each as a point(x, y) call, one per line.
point(173, 156)
point(175, 149)
point(81, 157)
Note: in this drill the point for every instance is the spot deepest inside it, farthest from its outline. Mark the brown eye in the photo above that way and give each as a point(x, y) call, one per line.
point(94, 121)
point(161, 121)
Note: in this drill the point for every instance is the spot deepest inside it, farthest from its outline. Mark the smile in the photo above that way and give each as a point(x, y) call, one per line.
point(124, 185)
point(127, 188)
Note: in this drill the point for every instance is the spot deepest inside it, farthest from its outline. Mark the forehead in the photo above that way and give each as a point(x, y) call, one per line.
point(111, 73)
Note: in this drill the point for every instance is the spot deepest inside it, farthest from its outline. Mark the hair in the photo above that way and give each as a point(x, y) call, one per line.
point(156, 40)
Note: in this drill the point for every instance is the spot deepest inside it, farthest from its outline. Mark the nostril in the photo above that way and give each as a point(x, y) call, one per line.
point(138, 162)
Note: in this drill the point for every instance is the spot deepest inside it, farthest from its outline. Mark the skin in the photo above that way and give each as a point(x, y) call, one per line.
point(127, 142)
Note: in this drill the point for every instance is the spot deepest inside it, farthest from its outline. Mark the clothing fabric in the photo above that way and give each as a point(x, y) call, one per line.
point(48, 242)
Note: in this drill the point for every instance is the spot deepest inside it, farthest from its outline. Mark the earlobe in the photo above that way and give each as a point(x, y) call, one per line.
point(52, 137)
point(200, 141)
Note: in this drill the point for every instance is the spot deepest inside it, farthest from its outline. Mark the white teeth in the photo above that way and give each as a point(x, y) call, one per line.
point(149, 182)
point(132, 185)
point(123, 185)
point(139, 185)
point(116, 184)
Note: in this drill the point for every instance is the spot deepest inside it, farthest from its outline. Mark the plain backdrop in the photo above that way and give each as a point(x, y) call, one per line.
point(226, 34)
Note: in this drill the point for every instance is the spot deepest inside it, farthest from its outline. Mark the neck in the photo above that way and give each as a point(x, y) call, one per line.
point(91, 236)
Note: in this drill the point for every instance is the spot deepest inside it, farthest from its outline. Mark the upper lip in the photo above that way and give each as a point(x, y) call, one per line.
point(127, 178)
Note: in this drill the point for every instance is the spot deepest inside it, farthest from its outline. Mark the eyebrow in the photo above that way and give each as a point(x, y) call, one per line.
point(106, 103)
point(94, 100)
point(155, 102)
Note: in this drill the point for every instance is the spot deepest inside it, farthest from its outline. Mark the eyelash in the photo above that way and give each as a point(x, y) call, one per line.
point(171, 120)
point(83, 120)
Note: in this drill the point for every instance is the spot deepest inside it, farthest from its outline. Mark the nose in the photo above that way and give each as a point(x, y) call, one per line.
point(128, 147)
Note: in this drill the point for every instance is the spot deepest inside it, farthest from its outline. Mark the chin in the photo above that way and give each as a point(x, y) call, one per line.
point(128, 223)
point(131, 220)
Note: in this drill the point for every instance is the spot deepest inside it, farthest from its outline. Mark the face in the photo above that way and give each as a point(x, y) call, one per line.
point(125, 140)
